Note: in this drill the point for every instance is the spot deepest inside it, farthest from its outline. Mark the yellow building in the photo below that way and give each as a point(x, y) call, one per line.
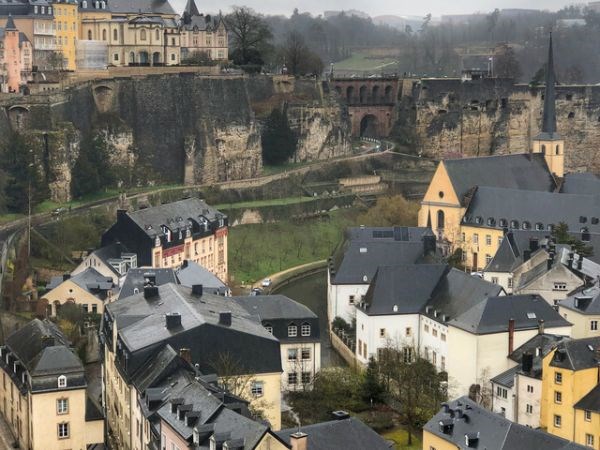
point(217, 335)
point(66, 24)
point(582, 309)
point(587, 419)
point(571, 374)
point(43, 392)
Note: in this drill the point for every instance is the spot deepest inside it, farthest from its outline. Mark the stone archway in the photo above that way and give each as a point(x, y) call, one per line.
point(369, 126)
point(143, 57)
point(155, 58)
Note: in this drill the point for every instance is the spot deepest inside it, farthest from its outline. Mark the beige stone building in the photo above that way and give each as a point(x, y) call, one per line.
point(43, 391)
point(203, 34)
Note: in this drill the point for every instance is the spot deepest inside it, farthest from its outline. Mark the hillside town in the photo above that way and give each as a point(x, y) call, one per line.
point(211, 242)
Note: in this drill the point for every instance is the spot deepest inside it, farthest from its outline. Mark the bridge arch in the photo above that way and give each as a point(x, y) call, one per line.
point(362, 94)
point(375, 94)
point(389, 91)
point(369, 126)
point(349, 93)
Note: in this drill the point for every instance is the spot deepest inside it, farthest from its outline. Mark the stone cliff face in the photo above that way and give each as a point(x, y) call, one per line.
point(170, 128)
point(493, 116)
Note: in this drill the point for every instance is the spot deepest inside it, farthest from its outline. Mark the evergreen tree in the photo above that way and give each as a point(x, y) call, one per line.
point(278, 139)
point(92, 171)
point(372, 389)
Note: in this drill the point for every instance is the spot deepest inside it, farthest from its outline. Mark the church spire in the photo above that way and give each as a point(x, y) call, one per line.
point(190, 11)
point(10, 24)
point(549, 120)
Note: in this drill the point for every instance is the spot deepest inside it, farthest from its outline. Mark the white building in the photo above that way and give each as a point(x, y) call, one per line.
point(582, 309)
point(112, 261)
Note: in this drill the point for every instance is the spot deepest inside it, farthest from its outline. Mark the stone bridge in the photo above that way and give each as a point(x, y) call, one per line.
point(371, 103)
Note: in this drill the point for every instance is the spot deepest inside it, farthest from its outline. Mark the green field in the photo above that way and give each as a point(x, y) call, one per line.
point(259, 203)
point(258, 250)
point(362, 61)
point(399, 436)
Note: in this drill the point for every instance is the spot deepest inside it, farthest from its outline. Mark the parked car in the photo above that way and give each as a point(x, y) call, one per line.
point(266, 282)
point(256, 291)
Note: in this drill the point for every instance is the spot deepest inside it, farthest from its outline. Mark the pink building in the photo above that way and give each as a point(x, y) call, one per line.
point(15, 58)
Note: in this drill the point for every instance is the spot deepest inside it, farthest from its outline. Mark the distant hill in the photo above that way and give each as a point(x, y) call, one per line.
point(399, 22)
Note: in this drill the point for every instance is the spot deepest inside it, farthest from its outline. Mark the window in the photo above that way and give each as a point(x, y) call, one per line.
point(589, 440)
point(488, 239)
point(443, 337)
point(495, 280)
point(557, 421)
point(292, 354)
point(558, 377)
point(433, 358)
point(426, 328)
point(351, 299)
point(172, 56)
point(292, 330)
point(269, 328)
point(382, 332)
point(116, 57)
point(529, 408)
point(63, 430)
point(499, 241)
point(257, 388)
point(142, 35)
point(475, 238)
point(408, 331)
point(62, 381)
point(530, 389)
point(594, 325)
point(488, 258)
point(305, 329)
point(587, 415)
point(501, 392)
point(157, 35)
point(560, 286)
point(62, 406)
point(434, 332)
point(89, 35)
point(463, 237)
point(104, 36)
point(557, 397)
point(305, 353)
point(407, 354)
point(443, 364)
point(306, 377)
point(510, 282)
point(292, 378)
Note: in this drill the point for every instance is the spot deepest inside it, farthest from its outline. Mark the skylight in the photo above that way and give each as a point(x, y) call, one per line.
point(531, 315)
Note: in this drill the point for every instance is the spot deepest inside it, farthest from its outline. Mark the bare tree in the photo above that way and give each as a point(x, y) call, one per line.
point(250, 35)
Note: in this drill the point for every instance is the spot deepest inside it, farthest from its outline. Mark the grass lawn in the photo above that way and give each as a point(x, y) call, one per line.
point(5, 218)
point(258, 203)
point(258, 250)
point(399, 436)
point(363, 62)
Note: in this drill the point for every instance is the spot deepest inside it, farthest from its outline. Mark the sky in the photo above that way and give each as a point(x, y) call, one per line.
point(376, 7)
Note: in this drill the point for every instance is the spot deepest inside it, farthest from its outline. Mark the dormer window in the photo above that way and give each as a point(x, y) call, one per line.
point(62, 381)
point(305, 329)
point(503, 223)
point(514, 224)
point(539, 226)
point(292, 330)
point(478, 220)
point(491, 221)
point(526, 225)
point(269, 328)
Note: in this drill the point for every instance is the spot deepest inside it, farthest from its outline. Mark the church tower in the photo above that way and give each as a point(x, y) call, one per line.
point(549, 141)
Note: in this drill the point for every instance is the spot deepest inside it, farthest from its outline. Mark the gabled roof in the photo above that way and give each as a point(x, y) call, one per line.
point(519, 171)
point(345, 434)
point(141, 6)
point(493, 314)
point(546, 342)
point(584, 301)
point(271, 307)
point(465, 418)
point(135, 280)
point(535, 207)
point(108, 252)
point(580, 183)
point(577, 354)
point(402, 289)
point(89, 280)
point(591, 401)
point(506, 378)
point(192, 273)
point(367, 248)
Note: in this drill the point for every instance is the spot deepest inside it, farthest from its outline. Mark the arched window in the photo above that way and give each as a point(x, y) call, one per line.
point(543, 149)
point(558, 149)
point(158, 35)
point(539, 226)
point(115, 35)
point(132, 60)
point(503, 223)
point(362, 93)
point(62, 381)
point(440, 219)
point(526, 225)
point(142, 35)
point(350, 94)
point(305, 329)
point(514, 224)
point(292, 330)
point(491, 221)
point(104, 35)
point(89, 35)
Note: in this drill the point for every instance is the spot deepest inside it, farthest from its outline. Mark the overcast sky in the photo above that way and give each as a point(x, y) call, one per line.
point(376, 7)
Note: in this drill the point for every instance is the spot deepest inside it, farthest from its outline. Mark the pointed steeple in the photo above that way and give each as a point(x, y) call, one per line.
point(549, 120)
point(190, 11)
point(10, 24)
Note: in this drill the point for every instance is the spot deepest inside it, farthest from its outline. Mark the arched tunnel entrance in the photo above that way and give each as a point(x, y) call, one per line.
point(369, 126)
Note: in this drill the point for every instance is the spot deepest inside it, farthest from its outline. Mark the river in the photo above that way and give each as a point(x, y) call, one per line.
point(312, 292)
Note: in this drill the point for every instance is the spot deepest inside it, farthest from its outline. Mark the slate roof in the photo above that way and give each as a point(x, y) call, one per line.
point(175, 215)
point(591, 401)
point(269, 307)
point(519, 171)
point(576, 354)
point(155, 368)
point(545, 341)
point(191, 273)
point(141, 6)
point(493, 432)
point(492, 315)
point(142, 330)
point(403, 289)
point(89, 280)
point(535, 207)
point(110, 251)
point(367, 248)
point(135, 280)
point(581, 183)
point(587, 300)
point(589, 268)
point(345, 434)
point(506, 378)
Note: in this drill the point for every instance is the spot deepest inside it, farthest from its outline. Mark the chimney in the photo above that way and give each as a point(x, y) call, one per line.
point(534, 244)
point(66, 276)
point(446, 407)
point(299, 440)
point(184, 264)
point(580, 263)
point(511, 335)
point(527, 362)
point(549, 261)
point(172, 320)
point(186, 355)
point(197, 290)
point(526, 255)
point(541, 326)
point(429, 244)
point(150, 292)
point(149, 279)
point(121, 213)
point(225, 318)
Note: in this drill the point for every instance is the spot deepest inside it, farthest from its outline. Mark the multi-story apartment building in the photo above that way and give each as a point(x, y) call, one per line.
point(66, 24)
point(203, 34)
point(166, 235)
point(35, 20)
point(43, 391)
point(582, 309)
point(211, 333)
point(15, 58)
